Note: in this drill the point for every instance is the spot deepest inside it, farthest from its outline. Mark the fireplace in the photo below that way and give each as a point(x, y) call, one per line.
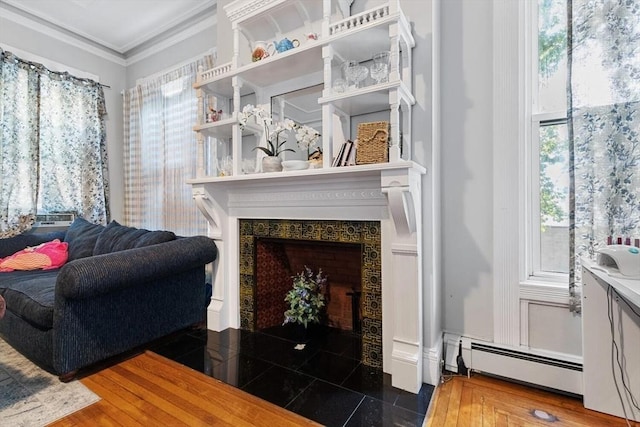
point(272, 250)
point(278, 261)
point(378, 207)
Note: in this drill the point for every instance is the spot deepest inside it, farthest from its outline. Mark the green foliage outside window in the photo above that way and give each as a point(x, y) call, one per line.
point(552, 49)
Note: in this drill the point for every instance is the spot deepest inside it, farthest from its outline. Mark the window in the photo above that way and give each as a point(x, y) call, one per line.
point(160, 151)
point(548, 229)
point(53, 145)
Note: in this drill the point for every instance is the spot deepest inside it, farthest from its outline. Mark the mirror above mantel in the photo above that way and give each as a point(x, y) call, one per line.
point(299, 105)
point(302, 107)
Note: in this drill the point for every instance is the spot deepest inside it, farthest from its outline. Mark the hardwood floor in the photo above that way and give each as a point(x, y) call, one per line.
point(485, 401)
point(150, 390)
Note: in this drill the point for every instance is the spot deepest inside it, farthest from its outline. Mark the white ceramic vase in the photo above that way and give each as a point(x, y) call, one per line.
point(271, 164)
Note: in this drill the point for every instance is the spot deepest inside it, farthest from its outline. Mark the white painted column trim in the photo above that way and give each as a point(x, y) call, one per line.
point(507, 124)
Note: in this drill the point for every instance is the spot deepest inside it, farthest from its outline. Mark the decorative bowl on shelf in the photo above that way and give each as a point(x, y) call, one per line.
point(294, 165)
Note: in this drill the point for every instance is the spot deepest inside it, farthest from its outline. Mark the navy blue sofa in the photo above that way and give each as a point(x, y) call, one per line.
point(122, 287)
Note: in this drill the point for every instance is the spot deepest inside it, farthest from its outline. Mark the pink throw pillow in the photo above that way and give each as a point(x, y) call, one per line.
point(46, 256)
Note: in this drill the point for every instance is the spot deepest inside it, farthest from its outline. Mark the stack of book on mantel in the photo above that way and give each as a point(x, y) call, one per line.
point(346, 155)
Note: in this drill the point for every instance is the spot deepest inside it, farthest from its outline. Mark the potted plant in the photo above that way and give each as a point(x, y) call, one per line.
point(306, 298)
point(272, 162)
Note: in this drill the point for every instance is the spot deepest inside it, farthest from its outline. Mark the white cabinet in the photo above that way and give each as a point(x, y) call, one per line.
point(608, 317)
point(313, 62)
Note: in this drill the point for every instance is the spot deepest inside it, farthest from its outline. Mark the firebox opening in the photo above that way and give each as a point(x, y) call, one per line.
point(278, 260)
point(363, 234)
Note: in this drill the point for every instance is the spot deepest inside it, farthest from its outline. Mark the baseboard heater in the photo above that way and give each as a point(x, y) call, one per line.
point(541, 370)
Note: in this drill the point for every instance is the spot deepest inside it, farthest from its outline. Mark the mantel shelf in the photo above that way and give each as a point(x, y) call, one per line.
point(319, 176)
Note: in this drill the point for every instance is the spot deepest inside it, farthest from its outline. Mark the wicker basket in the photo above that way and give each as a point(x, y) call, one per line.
point(373, 143)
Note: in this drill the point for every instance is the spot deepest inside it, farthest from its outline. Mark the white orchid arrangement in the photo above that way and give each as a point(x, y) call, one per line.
point(264, 119)
point(306, 136)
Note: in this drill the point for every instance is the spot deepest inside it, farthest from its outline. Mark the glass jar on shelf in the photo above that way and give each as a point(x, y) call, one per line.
point(218, 153)
point(380, 67)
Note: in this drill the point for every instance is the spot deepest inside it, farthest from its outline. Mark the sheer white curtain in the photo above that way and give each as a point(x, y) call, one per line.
point(160, 152)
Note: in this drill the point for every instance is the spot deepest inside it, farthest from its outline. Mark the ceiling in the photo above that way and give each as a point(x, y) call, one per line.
point(118, 25)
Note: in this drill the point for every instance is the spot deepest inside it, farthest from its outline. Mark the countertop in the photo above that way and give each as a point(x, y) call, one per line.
point(629, 289)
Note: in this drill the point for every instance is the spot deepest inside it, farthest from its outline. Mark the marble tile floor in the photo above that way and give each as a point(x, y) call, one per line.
point(324, 381)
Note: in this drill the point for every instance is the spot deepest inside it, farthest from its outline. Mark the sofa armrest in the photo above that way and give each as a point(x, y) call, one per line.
point(101, 274)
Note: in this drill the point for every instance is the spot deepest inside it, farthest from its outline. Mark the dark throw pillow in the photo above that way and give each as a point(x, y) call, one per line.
point(81, 237)
point(116, 237)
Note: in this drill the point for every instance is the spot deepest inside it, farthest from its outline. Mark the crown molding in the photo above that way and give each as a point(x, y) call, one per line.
point(164, 44)
point(60, 35)
point(242, 9)
point(179, 21)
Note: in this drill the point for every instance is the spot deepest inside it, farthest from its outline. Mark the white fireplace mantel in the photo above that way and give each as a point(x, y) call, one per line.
point(386, 192)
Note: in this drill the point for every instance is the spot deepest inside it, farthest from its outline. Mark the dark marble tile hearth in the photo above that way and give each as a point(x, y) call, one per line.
point(324, 381)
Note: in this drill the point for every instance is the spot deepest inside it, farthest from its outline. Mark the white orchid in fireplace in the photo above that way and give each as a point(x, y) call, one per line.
point(306, 298)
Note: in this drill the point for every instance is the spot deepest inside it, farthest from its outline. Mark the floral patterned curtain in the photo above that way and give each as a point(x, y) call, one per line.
point(604, 124)
point(18, 145)
point(52, 145)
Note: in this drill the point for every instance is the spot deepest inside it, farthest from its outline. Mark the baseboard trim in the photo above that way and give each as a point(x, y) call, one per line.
point(432, 363)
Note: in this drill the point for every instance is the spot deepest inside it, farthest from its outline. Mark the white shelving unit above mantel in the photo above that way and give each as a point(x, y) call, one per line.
point(340, 37)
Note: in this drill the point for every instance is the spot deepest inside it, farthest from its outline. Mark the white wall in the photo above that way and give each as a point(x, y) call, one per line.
point(426, 145)
point(467, 76)
point(109, 72)
point(467, 191)
point(225, 37)
point(167, 58)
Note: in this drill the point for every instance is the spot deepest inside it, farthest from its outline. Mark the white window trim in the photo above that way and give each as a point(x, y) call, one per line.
point(512, 127)
point(532, 273)
point(508, 97)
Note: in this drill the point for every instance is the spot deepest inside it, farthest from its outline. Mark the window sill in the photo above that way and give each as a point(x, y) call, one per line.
point(545, 291)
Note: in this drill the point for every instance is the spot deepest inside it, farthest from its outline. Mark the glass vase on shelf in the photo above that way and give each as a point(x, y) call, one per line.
point(225, 166)
point(353, 73)
point(380, 67)
point(248, 166)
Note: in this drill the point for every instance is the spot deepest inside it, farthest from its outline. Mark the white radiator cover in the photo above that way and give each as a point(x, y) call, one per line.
point(546, 369)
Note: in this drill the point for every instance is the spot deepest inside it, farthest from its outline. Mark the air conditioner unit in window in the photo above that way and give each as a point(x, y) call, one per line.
point(54, 220)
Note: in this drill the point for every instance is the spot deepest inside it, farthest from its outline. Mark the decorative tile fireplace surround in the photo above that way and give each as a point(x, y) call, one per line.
point(387, 194)
point(366, 233)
